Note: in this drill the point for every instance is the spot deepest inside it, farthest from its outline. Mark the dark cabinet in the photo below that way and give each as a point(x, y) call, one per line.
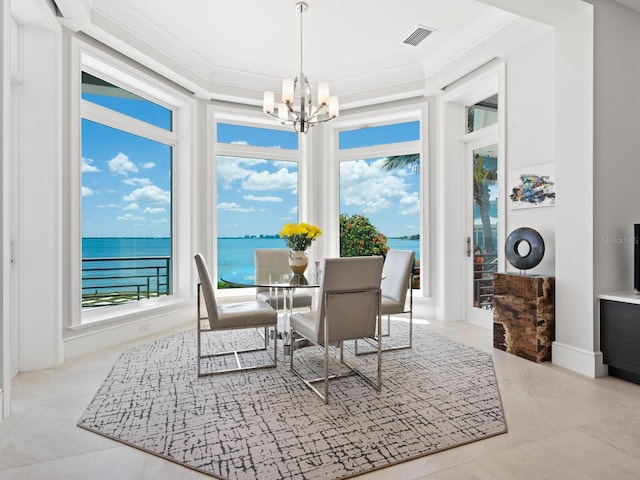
point(620, 338)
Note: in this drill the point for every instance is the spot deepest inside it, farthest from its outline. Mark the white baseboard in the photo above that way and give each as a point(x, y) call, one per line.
point(578, 360)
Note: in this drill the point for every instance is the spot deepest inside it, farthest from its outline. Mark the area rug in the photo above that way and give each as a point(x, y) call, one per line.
point(266, 424)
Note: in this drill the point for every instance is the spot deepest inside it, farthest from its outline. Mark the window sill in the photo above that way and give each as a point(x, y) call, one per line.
point(115, 316)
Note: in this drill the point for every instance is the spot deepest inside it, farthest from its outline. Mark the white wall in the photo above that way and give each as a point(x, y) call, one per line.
point(5, 373)
point(37, 253)
point(530, 132)
point(575, 305)
point(616, 148)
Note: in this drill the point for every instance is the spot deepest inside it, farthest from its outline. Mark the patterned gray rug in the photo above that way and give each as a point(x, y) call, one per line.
point(267, 424)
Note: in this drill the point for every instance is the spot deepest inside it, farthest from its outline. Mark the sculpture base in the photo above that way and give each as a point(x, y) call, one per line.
point(524, 315)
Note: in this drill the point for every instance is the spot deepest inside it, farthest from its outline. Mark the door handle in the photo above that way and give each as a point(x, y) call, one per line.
point(468, 246)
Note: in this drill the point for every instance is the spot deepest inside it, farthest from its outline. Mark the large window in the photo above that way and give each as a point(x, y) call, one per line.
point(128, 145)
point(257, 179)
point(380, 189)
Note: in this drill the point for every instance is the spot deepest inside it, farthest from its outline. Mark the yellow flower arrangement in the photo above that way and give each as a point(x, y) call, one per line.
point(299, 236)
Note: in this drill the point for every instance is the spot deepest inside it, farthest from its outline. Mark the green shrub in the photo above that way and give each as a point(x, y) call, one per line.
point(358, 237)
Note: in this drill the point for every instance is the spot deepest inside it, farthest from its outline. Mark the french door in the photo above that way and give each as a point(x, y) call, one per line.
point(481, 227)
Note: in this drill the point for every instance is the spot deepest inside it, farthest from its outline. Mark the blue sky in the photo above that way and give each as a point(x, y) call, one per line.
point(126, 184)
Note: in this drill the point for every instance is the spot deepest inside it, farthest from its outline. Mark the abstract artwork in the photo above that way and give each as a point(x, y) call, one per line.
point(532, 187)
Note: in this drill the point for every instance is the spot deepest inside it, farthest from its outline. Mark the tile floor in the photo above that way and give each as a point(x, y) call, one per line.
point(561, 426)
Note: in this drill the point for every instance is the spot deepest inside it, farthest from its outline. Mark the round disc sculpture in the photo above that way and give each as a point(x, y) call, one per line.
point(534, 254)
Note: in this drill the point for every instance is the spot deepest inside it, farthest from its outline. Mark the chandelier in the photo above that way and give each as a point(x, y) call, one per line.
point(297, 108)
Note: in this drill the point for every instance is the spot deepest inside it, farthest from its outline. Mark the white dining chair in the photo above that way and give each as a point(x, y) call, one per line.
point(397, 278)
point(275, 261)
point(349, 309)
point(234, 316)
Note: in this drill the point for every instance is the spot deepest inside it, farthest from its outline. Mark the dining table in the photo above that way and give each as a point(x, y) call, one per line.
point(278, 280)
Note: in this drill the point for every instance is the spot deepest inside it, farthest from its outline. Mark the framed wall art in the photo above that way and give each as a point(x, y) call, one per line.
point(531, 187)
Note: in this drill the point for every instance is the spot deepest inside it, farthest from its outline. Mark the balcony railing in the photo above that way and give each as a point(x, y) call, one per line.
point(484, 266)
point(118, 280)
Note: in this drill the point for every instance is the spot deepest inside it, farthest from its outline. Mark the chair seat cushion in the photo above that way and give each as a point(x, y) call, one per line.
point(389, 306)
point(300, 299)
point(306, 324)
point(246, 314)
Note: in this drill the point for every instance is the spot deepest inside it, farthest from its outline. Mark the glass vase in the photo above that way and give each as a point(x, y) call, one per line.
point(298, 261)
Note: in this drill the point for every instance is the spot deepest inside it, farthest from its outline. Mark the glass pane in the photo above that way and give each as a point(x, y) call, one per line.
point(367, 137)
point(257, 137)
point(482, 114)
point(110, 96)
point(256, 197)
point(126, 214)
point(380, 206)
point(485, 224)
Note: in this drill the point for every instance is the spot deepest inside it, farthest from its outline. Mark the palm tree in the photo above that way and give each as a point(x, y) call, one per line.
point(481, 179)
point(411, 161)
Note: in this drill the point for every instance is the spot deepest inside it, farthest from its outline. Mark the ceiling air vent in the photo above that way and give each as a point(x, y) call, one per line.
point(418, 35)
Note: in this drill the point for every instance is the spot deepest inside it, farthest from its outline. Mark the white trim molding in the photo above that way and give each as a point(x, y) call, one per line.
point(578, 360)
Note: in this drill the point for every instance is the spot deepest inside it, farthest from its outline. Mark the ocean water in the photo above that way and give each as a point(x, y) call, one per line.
point(118, 275)
point(235, 255)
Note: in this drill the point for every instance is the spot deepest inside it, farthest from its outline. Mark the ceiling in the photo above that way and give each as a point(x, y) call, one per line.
point(235, 49)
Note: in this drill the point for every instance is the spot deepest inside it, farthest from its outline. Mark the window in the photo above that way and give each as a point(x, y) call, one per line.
point(482, 114)
point(380, 135)
point(128, 147)
point(380, 189)
point(257, 178)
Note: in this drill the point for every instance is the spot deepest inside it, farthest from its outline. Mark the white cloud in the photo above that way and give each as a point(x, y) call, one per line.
point(137, 181)
point(86, 191)
point(132, 206)
point(283, 179)
point(130, 217)
point(262, 199)
point(149, 194)
point(121, 165)
point(234, 207)
point(148, 165)
point(162, 220)
point(111, 205)
point(368, 187)
point(240, 142)
point(232, 169)
point(154, 210)
point(88, 166)
point(409, 204)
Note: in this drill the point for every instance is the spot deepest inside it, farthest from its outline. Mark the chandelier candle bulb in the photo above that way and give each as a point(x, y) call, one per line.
point(268, 102)
point(323, 93)
point(287, 90)
point(334, 107)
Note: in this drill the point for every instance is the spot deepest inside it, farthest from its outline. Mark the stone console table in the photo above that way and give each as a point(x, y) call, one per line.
point(524, 315)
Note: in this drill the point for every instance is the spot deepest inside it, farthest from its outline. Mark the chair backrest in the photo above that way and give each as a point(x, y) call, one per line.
point(207, 289)
point(349, 297)
point(268, 261)
point(396, 273)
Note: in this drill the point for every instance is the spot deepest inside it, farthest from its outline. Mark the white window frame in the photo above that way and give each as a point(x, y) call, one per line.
point(86, 57)
point(373, 118)
point(246, 117)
